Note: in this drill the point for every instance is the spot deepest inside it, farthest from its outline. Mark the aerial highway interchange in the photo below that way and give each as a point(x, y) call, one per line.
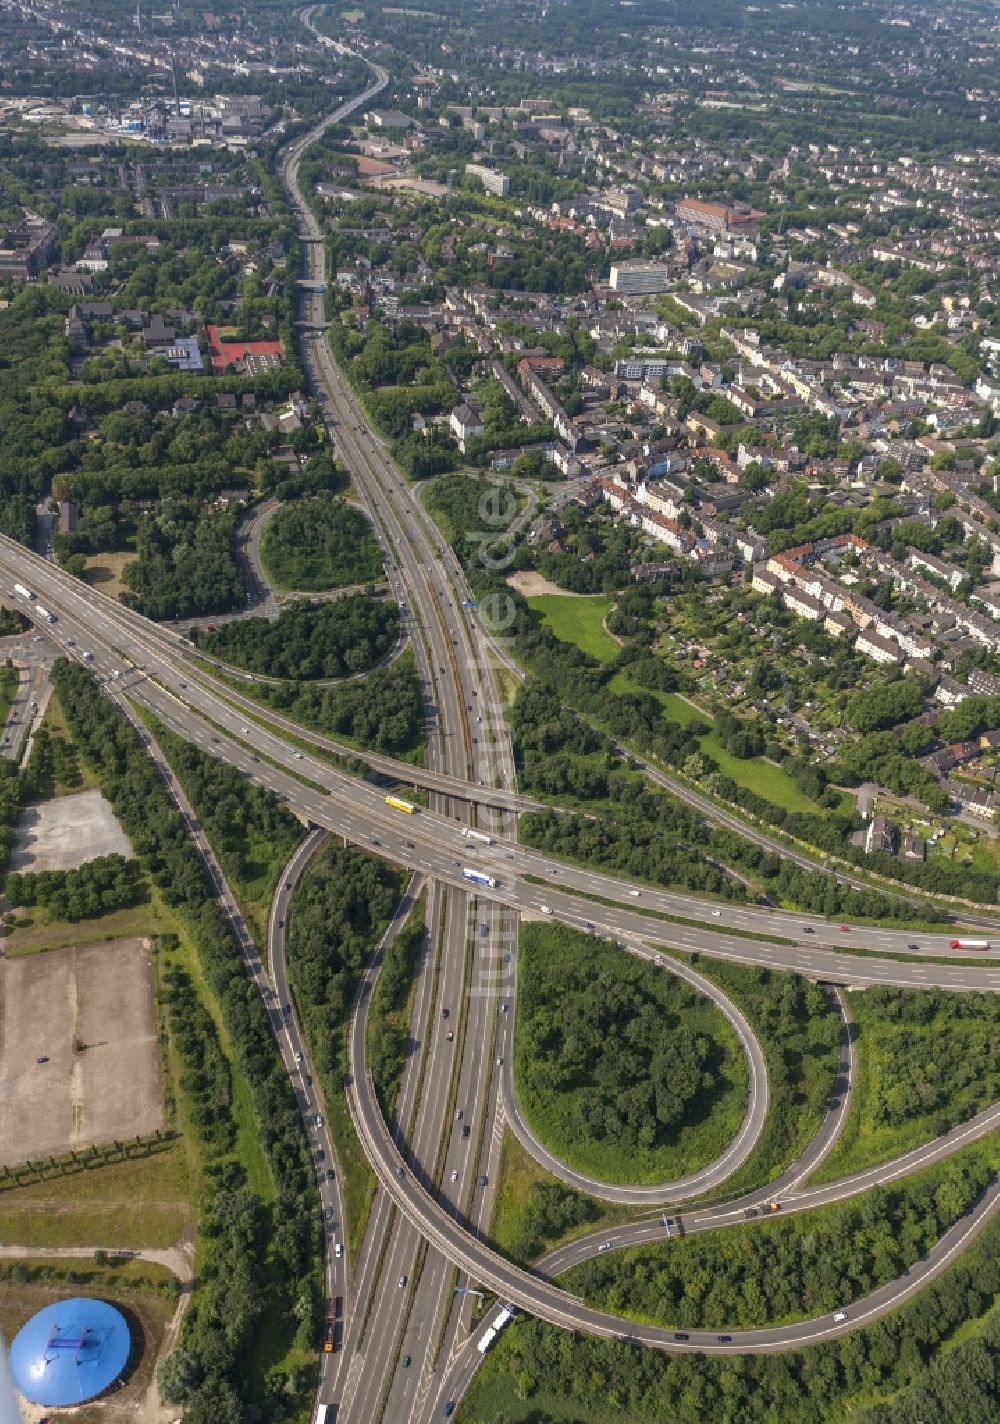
point(410, 1292)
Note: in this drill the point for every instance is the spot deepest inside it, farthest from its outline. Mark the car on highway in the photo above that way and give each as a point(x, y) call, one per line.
point(503, 1008)
point(42, 1058)
point(840, 1316)
point(634, 894)
point(604, 1246)
point(725, 1339)
point(319, 1119)
point(716, 913)
point(451, 1035)
point(913, 946)
point(298, 1057)
point(402, 1282)
point(449, 1409)
point(458, 1114)
point(406, 1362)
point(286, 1008)
point(466, 1130)
point(545, 909)
point(845, 929)
point(454, 1174)
point(808, 929)
point(328, 1214)
point(483, 1180)
point(445, 1013)
point(338, 1250)
point(681, 1335)
point(400, 1173)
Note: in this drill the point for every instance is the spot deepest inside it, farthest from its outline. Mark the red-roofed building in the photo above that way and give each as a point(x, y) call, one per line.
point(247, 353)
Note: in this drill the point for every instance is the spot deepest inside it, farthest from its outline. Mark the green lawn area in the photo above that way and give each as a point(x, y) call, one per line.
point(35, 932)
point(519, 1180)
point(567, 1048)
point(578, 619)
point(144, 1202)
point(927, 1061)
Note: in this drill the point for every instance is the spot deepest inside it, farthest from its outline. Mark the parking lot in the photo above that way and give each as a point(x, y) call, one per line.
point(64, 833)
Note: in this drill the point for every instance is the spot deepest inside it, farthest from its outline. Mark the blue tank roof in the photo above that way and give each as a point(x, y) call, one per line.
point(69, 1352)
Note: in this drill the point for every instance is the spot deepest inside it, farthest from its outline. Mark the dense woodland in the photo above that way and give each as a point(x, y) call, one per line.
point(382, 713)
point(964, 1063)
point(893, 1370)
point(240, 817)
point(186, 565)
point(809, 1265)
point(799, 1033)
point(309, 640)
point(320, 543)
point(604, 1048)
point(209, 1370)
point(341, 909)
point(109, 882)
point(388, 1024)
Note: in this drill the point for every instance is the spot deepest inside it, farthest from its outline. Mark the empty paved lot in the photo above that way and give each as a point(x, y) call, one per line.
point(99, 995)
point(66, 832)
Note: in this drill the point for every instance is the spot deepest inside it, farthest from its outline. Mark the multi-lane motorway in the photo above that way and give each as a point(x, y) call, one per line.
point(158, 675)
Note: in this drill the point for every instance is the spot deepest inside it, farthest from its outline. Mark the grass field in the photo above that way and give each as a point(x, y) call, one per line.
point(518, 1179)
point(549, 956)
point(104, 571)
point(35, 932)
point(145, 1202)
point(579, 620)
